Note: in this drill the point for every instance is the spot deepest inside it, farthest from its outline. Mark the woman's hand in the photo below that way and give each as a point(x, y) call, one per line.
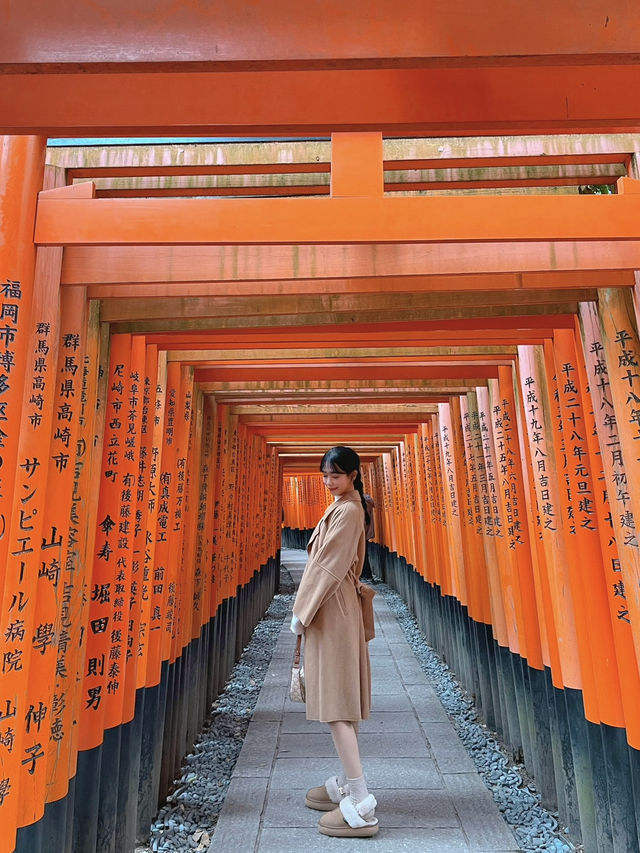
point(296, 626)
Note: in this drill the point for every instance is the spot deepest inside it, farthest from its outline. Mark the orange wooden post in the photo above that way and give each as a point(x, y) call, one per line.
point(396, 499)
point(389, 503)
point(196, 509)
point(189, 607)
point(540, 426)
point(240, 531)
point(480, 584)
point(60, 566)
point(142, 535)
point(511, 490)
point(452, 503)
point(127, 601)
point(120, 663)
point(583, 509)
point(622, 356)
point(218, 590)
point(548, 637)
point(204, 549)
point(447, 582)
point(609, 531)
point(21, 177)
point(232, 497)
point(179, 422)
point(485, 520)
point(101, 591)
point(29, 606)
point(496, 529)
point(222, 504)
point(84, 510)
point(407, 498)
point(434, 571)
point(152, 572)
point(421, 505)
point(472, 558)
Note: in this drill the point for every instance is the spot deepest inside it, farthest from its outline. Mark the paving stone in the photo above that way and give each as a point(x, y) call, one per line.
point(297, 723)
point(386, 686)
point(279, 673)
point(393, 633)
point(426, 703)
point(405, 808)
point(481, 820)
point(390, 721)
point(239, 822)
point(293, 707)
point(273, 840)
point(410, 671)
point(384, 667)
point(399, 745)
point(270, 702)
point(391, 702)
point(379, 648)
point(258, 750)
point(380, 773)
point(447, 748)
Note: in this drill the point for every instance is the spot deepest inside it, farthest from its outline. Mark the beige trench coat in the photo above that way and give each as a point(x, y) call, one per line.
point(336, 656)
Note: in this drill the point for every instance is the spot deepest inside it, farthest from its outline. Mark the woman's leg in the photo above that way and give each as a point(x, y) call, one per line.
point(345, 740)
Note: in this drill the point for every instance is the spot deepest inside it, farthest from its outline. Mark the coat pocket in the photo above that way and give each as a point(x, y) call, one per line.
point(342, 605)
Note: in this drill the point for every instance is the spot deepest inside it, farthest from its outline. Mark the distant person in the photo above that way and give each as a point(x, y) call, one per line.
point(369, 532)
point(328, 610)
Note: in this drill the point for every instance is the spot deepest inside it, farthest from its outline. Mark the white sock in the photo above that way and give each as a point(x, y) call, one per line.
point(358, 789)
point(342, 779)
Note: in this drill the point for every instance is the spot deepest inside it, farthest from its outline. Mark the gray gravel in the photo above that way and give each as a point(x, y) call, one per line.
point(186, 821)
point(535, 828)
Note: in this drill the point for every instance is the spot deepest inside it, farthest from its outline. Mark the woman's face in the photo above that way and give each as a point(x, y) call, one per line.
point(338, 483)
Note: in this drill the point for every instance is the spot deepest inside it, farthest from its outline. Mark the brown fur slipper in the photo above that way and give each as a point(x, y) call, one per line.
point(351, 820)
point(326, 797)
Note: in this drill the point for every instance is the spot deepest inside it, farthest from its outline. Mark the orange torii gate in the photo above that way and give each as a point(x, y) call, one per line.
point(247, 70)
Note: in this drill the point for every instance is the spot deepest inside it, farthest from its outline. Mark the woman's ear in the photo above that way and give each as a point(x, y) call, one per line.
point(352, 476)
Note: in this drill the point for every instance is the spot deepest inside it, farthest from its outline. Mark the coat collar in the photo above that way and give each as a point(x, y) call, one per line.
point(349, 497)
point(353, 495)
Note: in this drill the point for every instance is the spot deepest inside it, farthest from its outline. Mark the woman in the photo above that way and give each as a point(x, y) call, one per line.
point(328, 611)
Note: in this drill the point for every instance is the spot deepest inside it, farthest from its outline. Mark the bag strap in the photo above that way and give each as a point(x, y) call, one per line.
point(296, 656)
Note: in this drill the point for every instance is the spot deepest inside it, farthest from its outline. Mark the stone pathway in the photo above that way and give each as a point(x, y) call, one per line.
point(430, 797)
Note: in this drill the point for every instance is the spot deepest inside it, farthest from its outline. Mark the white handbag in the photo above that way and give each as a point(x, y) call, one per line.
point(296, 688)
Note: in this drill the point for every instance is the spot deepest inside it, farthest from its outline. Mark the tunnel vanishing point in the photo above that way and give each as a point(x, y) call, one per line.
point(259, 230)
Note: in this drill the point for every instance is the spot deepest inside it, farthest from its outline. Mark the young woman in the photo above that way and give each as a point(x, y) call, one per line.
point(328, 610)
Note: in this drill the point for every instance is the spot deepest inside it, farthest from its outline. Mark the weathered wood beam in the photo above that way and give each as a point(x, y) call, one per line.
point(220, 306)
point(337, 220)
point(302, 373)
point(211, 356)
point(496, 97)
point(417, 332)
point(166, 264)
point(290, 155)
point(330, 318)
point(431, 284)
point(322, 35)
point(258, 412)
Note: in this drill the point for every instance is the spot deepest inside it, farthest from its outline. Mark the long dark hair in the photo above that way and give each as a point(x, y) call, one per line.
point(344, 460)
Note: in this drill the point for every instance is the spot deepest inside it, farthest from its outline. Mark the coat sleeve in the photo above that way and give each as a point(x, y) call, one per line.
point(327, 569)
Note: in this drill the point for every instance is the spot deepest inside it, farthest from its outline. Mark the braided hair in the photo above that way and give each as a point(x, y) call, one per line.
point(344, 460)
